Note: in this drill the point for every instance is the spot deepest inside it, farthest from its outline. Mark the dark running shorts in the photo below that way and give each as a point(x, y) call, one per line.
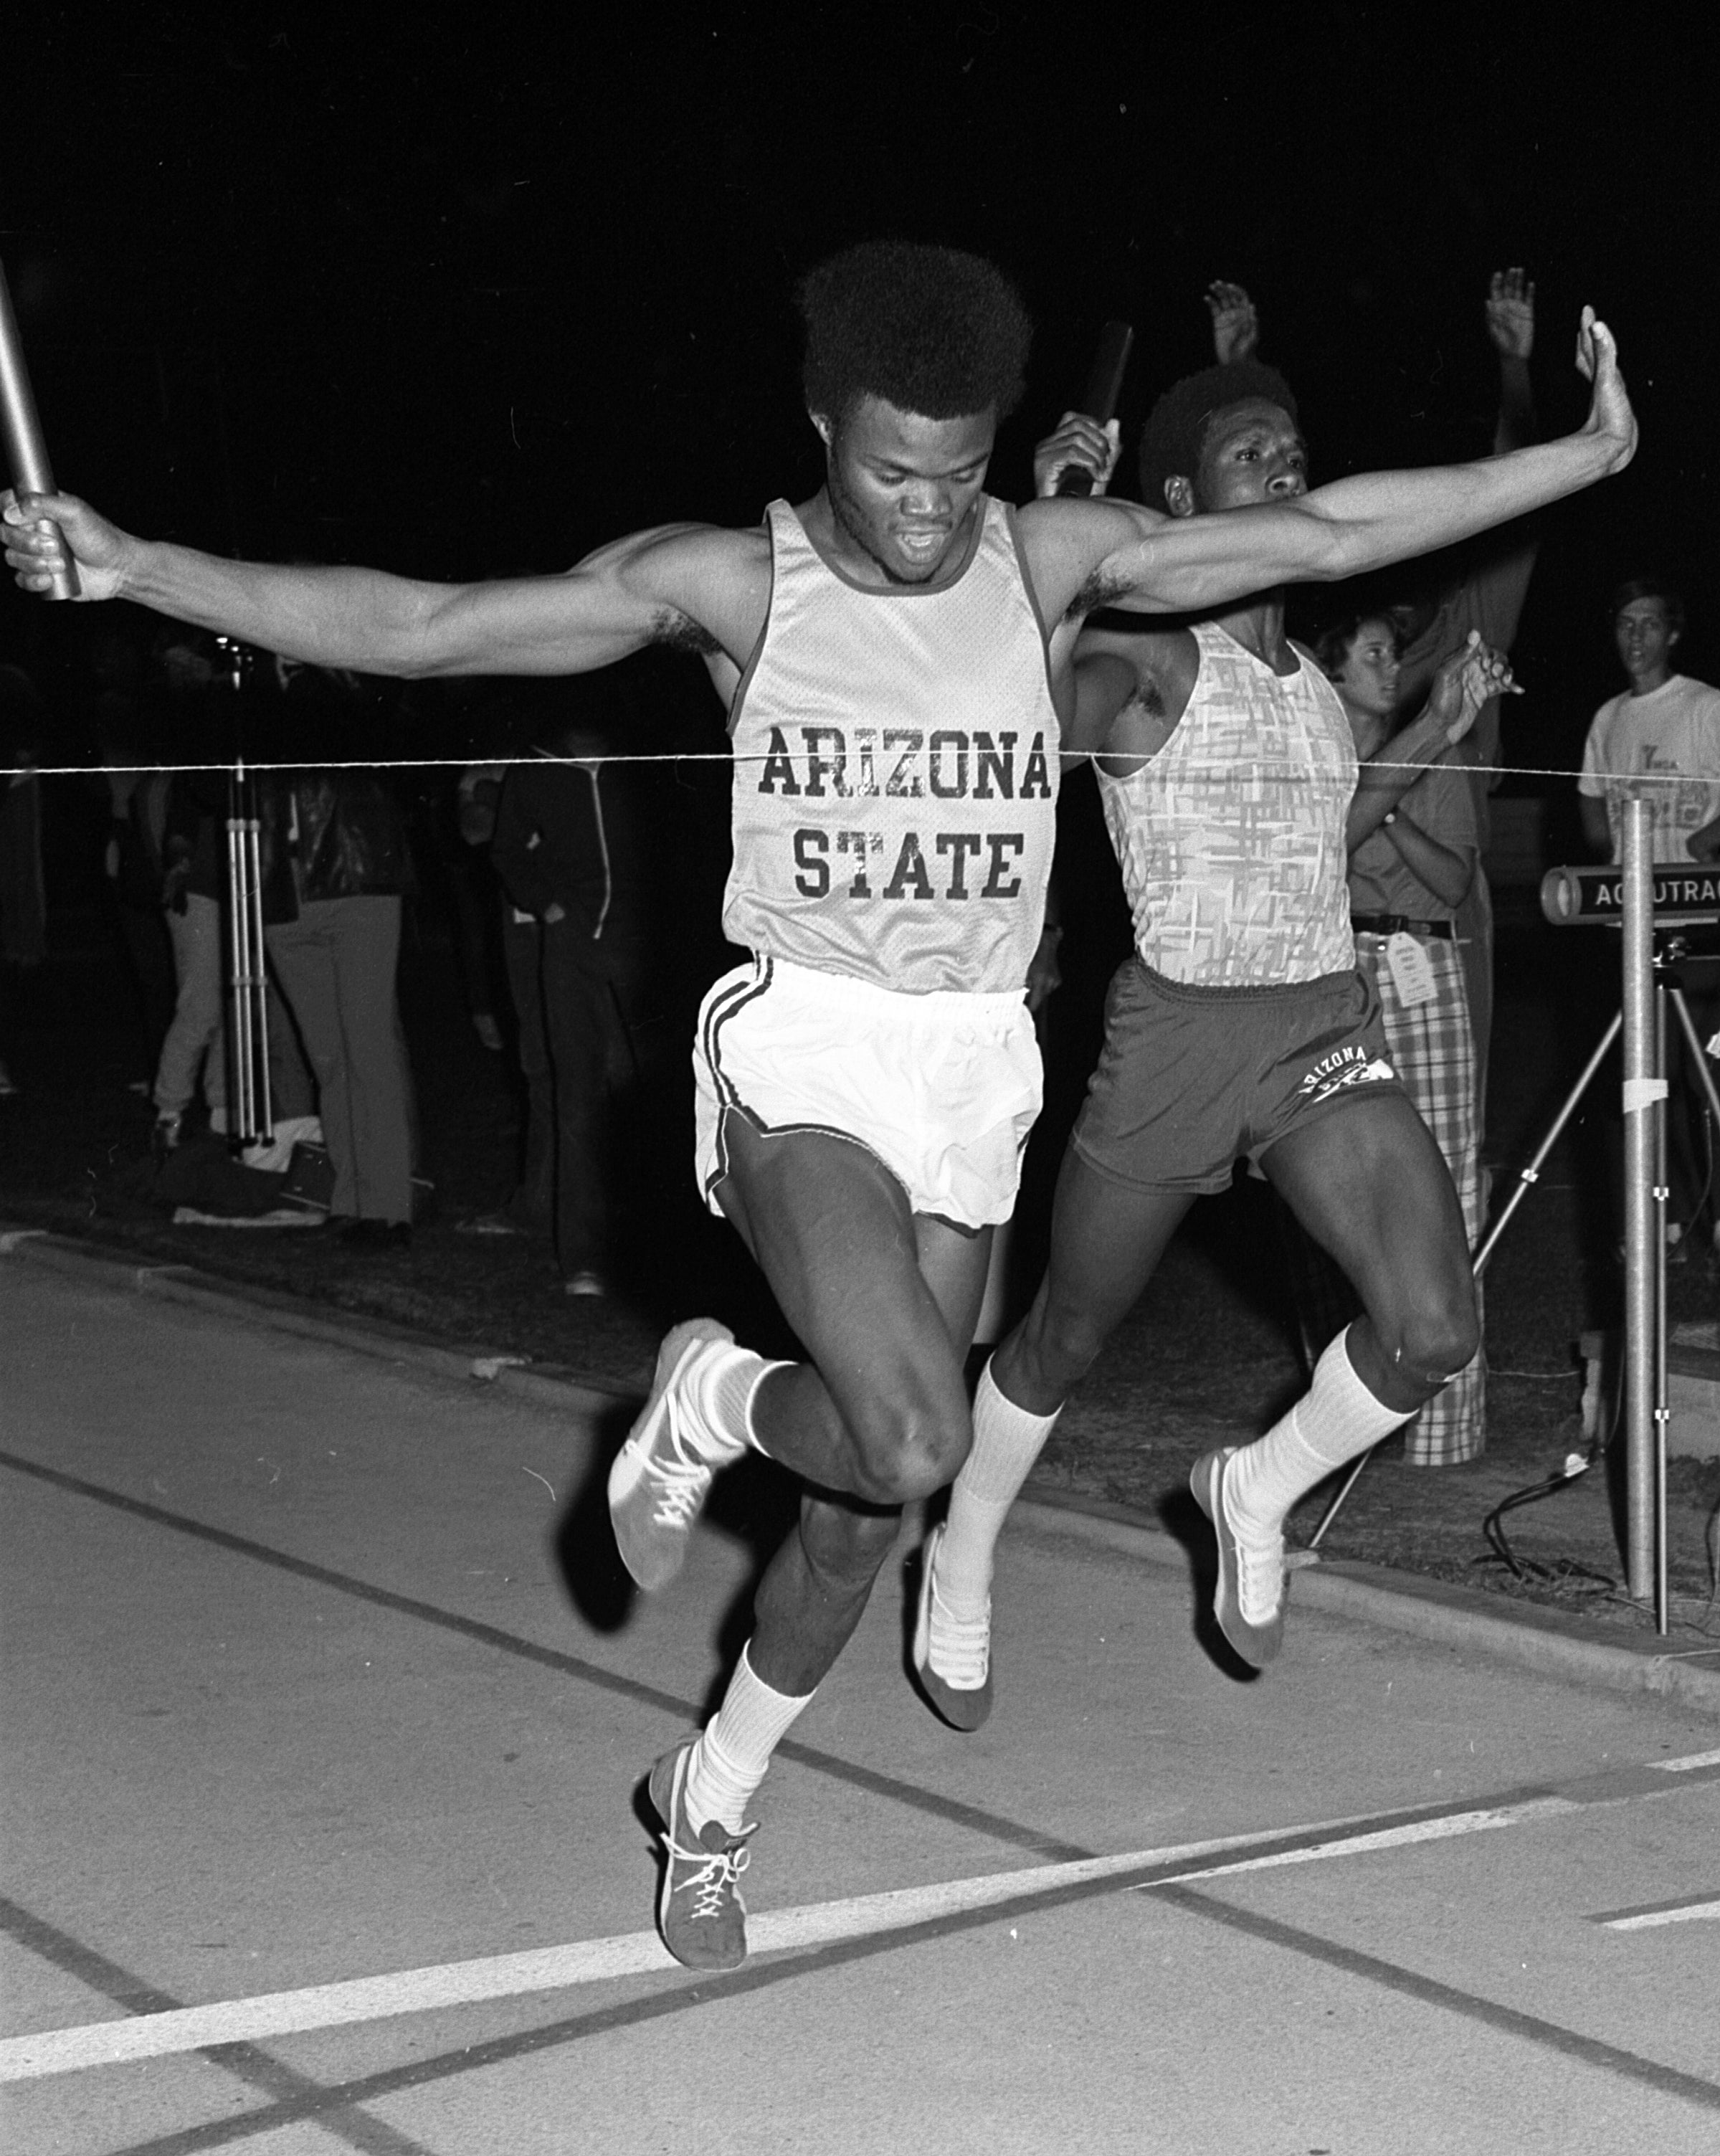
point(1193, 1080)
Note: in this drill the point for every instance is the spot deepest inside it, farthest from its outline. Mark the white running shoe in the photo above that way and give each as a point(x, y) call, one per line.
point(961, 1692)
point(659, 1480)
point(1249, 1602)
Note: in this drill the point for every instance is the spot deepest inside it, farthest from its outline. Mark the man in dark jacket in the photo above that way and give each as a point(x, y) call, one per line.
point(335, 866)
point(578, 965)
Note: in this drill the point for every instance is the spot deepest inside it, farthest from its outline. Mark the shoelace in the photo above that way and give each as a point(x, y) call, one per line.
point(713, 1881)
point(959, 1648)
point(1259, 1568)
point(1260, 1580)
point(680, 1483)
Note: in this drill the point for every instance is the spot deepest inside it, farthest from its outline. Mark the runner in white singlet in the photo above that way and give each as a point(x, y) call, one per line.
point(913, 353)
point(1240, 1028)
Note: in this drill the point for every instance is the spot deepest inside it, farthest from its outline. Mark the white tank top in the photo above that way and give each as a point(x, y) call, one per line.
point(896, 771)
point(1231, 838)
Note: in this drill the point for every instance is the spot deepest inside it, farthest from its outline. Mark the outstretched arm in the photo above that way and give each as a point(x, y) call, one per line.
point(681, 583)
point(1117, 554)
point(1511, 325)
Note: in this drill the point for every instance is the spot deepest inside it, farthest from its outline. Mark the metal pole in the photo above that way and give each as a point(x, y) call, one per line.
point(1700, 1057)
point(263, 1105)
point(1532, 1174)
point(1662, 1194)
point(238, 908)
point(1644, 1088)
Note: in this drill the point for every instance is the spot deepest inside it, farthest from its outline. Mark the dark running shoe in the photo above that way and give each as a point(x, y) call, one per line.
point(964, 1705)
point(700, 1911)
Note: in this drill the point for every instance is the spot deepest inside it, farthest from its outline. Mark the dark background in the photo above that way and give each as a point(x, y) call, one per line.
point(471, 292)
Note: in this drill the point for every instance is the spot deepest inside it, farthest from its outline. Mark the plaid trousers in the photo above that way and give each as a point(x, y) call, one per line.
point(1433, 1051)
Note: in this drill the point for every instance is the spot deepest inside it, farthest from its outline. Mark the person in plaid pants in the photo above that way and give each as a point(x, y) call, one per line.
point(1408, 879)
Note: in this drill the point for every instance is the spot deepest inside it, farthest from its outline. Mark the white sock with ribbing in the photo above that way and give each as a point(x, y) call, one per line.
point(1007, 1440)
point(732, 1753)
point(1336, 1418)
point(720, 1385)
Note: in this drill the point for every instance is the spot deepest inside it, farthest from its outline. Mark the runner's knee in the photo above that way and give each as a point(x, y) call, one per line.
point(908, 1444)
point(846, 1548)
point(1435, 1338)
point(1057, 1346)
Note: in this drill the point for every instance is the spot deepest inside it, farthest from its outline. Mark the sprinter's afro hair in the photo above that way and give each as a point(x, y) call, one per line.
point(930, 330)
point(1175, 432)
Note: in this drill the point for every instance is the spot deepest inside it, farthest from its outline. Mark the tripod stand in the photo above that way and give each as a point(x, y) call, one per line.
point(251, 1117)
point(1671, 942)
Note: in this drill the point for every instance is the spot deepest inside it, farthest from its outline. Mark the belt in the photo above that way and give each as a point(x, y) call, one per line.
point(1393, 924)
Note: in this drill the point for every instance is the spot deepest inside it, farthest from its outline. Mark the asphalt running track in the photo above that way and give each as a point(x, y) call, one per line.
point(319, 1786)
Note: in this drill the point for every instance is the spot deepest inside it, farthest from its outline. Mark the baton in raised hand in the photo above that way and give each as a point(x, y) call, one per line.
point(1099, 398)
point(26, 452)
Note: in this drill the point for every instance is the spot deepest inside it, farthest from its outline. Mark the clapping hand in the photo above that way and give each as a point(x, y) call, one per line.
point(1511, 314)
point(1469, 678)
point(1235, 325)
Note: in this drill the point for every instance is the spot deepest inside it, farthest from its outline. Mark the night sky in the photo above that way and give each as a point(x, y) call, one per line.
point(471, 293)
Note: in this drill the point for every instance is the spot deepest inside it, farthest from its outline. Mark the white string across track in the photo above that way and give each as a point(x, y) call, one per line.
point(253, 765)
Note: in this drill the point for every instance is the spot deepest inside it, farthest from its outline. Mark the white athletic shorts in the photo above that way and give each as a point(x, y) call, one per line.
point(943, 1088)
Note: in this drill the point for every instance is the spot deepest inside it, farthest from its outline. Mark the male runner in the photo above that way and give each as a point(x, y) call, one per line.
point(1480, 590)
point(1240, 1027)
point(867, 1081)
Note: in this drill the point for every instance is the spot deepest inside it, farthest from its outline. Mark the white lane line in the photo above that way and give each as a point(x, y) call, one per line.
point(1686, 1765)
point(1679, 1913)
point(633, 1954)
point(1393, 1837)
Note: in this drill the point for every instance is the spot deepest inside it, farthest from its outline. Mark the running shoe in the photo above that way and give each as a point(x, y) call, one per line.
point(966, 1644)
point(1248, 1580)
point(700, 1911)
point(659, 1484)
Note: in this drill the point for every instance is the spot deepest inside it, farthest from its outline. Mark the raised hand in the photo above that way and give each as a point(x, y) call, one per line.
point(1511, 314)
point(1469, 678)
point(1078, 440)
point(35, 548)
point(1609, 413)
point(1235, 325)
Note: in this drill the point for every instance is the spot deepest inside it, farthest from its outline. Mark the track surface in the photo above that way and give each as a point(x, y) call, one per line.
point(298, 1698)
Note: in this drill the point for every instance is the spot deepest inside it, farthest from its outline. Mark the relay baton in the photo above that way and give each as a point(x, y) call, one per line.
point(25, 452)
point(1099, 398)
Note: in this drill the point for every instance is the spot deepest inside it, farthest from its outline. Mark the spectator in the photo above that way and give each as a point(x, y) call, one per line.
point(1409, 876)
point(137, 717)
point(580, 964)
point(335, 867)
point(24, 903)
point(1659, 738)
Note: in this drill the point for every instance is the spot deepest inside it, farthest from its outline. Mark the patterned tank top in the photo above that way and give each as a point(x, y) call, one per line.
point(1231, 838)
point(896, 771)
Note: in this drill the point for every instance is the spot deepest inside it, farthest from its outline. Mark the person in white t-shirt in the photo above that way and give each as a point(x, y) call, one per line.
point(1661, 738)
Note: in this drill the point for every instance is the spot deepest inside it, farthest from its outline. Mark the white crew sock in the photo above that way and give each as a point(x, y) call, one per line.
point(720, 1387)
point(1007, 1440)
point(732, 1751)
point(1336, 1418)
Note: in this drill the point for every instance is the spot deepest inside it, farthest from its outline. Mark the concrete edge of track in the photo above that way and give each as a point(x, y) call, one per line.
point(1546, 1640)
point(546, 1382)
